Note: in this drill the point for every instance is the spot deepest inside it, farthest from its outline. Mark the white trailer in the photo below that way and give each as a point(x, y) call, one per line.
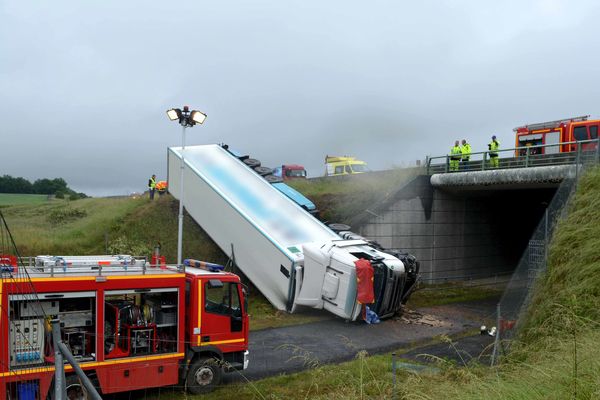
point(291, 257)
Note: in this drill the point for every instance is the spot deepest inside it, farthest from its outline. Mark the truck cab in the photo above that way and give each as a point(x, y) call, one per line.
point(216, 327)
point(540, 138)
point(290, 171)
point(336, 166)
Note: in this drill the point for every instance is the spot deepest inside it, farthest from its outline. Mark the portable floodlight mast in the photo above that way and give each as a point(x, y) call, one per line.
point(186, 118)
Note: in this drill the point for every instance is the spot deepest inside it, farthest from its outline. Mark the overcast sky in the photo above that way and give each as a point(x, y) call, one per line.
point(84, 86)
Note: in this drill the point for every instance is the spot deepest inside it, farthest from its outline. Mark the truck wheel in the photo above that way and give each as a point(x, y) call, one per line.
point(75, 389)
point(204, 376)
point(339, 227)
point(252, 162)
point(272, 179)
point(262, 171)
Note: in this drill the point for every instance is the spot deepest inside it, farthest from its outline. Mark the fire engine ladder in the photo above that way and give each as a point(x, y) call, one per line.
point(552, 124)
point(117, 263)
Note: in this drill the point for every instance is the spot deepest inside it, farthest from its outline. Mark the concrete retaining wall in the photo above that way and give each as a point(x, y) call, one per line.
point(457, 236)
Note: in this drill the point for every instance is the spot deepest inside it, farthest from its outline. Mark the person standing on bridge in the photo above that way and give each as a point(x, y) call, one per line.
point(493, 152)
point(455, 156)
point(466, 153)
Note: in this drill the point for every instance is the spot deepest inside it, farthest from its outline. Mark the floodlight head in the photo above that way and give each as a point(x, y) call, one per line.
point(186, 109)
point(197, 117)
point(174, 114)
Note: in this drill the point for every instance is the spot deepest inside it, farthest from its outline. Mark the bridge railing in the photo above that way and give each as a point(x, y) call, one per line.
point(583, 151)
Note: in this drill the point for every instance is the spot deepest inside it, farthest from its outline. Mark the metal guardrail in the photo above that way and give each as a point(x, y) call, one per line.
point(520, 157)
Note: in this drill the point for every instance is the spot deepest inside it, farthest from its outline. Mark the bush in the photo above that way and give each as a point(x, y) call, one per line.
point(59, 195)
point(125, 245)
point(64, 215)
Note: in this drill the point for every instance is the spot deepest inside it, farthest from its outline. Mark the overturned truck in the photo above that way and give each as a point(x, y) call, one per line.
point(291, 257)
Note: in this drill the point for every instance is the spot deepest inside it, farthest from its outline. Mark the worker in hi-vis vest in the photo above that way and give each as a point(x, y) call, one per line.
point(493, 152)
point(455, 156)
point(152, 186)
point(465, 149)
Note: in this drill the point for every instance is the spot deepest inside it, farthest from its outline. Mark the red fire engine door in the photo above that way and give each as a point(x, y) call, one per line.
point(222, 319)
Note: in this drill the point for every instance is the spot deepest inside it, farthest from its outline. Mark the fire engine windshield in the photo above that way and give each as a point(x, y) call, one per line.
point(223, 299)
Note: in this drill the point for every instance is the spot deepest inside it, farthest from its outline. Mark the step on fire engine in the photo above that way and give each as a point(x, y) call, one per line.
point(129, 325)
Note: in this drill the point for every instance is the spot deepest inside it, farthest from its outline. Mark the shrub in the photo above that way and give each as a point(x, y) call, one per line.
point(126, 245)
point(65, 215)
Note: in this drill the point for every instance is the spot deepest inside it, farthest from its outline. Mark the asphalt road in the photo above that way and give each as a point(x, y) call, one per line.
point(294, 348)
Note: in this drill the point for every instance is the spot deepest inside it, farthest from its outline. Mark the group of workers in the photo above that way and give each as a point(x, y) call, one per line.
point(461, 153)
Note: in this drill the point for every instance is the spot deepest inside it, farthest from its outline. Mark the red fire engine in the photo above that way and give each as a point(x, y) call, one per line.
point(130, 326)
point(554, 132)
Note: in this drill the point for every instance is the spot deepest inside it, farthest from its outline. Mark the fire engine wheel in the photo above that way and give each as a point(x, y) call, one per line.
point(204, 376)
point(75, 389)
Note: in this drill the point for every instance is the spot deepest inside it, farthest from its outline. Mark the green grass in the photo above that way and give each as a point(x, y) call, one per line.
point(9, 199)
point(435, 295)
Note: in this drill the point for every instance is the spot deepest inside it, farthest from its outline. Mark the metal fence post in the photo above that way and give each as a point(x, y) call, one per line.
point(497, 338)
point(483, 161)
point(447, 164)
point(60, 388)
point(577, 160)
point(393, 375)
point(527, 158)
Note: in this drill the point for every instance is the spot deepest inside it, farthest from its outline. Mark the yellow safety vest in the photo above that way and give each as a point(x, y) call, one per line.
point(455, 153)
point(494, 145)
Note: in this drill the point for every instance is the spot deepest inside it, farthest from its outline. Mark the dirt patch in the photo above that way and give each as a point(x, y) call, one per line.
point(415, 317)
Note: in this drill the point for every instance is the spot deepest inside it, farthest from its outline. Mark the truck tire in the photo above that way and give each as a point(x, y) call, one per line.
point(272, 179)
point(262, 171)
point(339, 227)
point(204, 376)
point(252, 162)
point(75, 389)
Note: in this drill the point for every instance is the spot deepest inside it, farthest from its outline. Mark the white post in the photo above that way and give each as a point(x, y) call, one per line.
point(180, 228)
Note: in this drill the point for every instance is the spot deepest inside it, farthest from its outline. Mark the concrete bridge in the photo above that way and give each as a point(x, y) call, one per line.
point(474, 223)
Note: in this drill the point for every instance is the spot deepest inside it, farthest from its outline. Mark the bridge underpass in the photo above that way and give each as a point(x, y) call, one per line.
point(465, 225)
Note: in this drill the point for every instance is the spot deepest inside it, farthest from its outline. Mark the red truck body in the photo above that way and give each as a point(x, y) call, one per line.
point(129, 329)
point(554, 132)
point(291, 171)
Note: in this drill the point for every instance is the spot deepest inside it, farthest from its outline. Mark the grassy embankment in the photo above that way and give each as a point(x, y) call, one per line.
point(557, 357)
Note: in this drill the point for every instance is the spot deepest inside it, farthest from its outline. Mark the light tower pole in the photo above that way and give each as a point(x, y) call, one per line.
point(186, 118)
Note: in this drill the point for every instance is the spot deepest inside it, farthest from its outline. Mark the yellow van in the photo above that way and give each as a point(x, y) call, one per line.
point(335, 166)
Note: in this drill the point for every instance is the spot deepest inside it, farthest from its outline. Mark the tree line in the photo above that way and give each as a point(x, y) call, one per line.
point(57, 187)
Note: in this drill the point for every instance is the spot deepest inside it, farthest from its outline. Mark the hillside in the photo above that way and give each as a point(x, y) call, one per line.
point(106, 225)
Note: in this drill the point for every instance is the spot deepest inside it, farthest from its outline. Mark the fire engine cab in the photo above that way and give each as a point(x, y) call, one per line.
point(129, 325)
point(561, 131)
